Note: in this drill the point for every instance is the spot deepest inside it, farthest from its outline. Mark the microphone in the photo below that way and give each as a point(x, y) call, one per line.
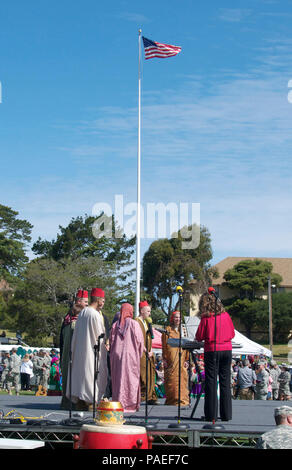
point(97, 346)
point(212, 291)
point(162, 331)
point(150, 329)
point(179, 290)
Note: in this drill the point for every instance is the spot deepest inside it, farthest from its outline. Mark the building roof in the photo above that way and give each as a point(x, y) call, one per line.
point(282, 266)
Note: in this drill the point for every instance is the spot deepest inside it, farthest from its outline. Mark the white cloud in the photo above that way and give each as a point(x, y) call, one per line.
point(228, 146)
point(234, 15)
point(134, 17)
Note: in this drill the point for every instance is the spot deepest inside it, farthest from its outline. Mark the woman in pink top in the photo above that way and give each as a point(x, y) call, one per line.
point(217, 356)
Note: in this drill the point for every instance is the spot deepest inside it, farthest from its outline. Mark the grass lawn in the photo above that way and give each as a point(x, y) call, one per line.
point(280, 351)
point(22, 392)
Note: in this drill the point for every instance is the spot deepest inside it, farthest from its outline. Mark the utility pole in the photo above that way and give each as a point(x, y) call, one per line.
point(270, 315)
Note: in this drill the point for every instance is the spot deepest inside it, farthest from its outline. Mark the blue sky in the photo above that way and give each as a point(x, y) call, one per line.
point(216, 119)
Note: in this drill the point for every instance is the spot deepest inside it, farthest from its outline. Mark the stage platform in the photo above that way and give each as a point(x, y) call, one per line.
point(44, 420)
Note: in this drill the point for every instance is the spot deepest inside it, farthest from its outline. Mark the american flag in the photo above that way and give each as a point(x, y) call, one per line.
point(156, 49)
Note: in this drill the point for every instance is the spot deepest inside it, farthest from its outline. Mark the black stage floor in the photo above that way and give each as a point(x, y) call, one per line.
point(248, 416)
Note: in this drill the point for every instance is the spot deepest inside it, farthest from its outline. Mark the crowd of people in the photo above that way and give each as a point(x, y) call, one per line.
point(38, 371)
point(252, 378)
point(260, 379)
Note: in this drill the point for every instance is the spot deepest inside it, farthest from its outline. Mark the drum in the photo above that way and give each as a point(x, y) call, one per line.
point(113, 437)
point(110, 412)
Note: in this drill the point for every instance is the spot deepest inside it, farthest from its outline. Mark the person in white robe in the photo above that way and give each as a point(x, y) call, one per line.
point(87, 334)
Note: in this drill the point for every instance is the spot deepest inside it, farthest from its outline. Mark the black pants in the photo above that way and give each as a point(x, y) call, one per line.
point(108, 390)
point(218, 362)
point(25, 381)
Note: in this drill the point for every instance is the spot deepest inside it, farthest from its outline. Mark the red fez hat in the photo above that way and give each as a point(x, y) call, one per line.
point(82, 294)
point(96, 292)
point(143, 304)
point(172, 315)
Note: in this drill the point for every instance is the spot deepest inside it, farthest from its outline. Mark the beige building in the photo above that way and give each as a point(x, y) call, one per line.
point(282, 266)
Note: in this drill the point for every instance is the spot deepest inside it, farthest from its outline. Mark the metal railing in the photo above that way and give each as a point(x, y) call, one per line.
point(57, 436)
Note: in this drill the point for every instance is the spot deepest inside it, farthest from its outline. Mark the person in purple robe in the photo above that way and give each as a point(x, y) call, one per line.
point(197, 380)
point(126, 350)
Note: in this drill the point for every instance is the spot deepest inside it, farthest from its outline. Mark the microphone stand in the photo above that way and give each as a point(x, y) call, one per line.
point(148, 426)
point(179, 425)
point(213, 425)
point(199, 381)
point(96, 371)
point(70, 362)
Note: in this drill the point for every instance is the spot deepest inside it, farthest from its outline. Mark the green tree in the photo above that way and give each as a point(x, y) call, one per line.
point(250, 278)
point(4, 317)
point(83, 255)
point(38, 321)
point(15, 234)
point(249, 281)
point(166, 264)
point(281, 315)
point(41, 301)
point(81, 239)
point(246, 310)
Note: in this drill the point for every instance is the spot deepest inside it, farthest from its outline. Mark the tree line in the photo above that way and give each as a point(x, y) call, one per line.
point(39, 291)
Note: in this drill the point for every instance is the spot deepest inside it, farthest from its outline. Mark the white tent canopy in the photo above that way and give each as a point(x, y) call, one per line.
point(241, 345)
point(249, 347)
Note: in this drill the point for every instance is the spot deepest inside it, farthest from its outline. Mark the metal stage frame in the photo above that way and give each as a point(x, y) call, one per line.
point(56, 437)
point(40, 418)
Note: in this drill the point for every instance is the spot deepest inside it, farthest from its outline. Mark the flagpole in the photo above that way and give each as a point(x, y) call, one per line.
point(138, 265)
